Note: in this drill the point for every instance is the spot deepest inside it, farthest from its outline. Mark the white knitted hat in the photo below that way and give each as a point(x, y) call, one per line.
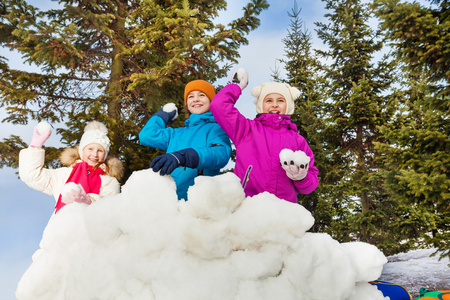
point(288, 92)
point(95, 132)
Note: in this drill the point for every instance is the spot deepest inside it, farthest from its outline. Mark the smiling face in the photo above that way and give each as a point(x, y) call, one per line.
point(198, 102)
point(93, 154)
point(274, 103)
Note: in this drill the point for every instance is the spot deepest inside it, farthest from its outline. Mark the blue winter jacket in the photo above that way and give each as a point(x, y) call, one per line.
point(202, 133)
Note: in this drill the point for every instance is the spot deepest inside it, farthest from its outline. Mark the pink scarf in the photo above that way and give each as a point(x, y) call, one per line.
point(83, 174)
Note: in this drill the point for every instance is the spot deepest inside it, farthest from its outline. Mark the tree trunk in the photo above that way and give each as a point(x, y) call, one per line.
point(114, 90)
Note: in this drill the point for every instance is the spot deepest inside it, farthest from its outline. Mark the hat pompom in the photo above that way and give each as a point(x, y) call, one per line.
point(256, 91)
point(96, 125)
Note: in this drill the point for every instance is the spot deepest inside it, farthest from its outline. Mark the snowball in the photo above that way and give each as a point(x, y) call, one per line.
point(169, 107)
point(286, 155)
point(43, 128)
point(298, 157)
point(240, 73)
point(68, 187)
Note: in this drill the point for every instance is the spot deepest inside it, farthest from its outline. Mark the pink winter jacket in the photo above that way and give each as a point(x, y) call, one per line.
point(258, 144)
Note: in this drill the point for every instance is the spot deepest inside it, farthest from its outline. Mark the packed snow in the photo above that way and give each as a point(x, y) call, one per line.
point(145, 244)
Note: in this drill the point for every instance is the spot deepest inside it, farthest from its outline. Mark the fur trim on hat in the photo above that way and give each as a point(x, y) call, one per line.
point(113, 166)
point(69, 156)
point(284, 89)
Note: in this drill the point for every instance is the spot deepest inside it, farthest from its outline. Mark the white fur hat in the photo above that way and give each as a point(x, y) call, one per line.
point(284, 89)
point(95, 132)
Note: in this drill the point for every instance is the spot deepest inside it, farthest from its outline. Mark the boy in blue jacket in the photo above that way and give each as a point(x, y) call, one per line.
point(201, 147)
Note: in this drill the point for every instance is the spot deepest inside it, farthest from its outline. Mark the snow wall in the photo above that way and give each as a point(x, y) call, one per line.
point(145, 244)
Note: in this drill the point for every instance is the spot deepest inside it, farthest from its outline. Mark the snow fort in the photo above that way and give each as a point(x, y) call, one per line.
point(145, 244)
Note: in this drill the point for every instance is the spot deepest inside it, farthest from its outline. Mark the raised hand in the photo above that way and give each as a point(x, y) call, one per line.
point(41, 133)
point(296, 164)
point(240, 77)
point(169, 112)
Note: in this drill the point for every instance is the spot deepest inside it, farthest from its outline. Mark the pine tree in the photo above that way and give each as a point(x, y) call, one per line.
point(115, 61)
point(302, 71)
point(357, 106)
point(417, 151)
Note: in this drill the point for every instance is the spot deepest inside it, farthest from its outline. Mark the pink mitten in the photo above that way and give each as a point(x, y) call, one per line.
point(41, 133)
point(76, 196)
point(68, 197)
point(296, 164)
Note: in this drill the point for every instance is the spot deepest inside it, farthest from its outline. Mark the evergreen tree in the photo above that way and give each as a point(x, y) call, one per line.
point(357, 103)
point(417, 151)
point(112, 60)
point(302, 71)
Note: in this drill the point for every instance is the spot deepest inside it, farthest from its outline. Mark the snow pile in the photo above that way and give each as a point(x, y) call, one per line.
point(145, 244)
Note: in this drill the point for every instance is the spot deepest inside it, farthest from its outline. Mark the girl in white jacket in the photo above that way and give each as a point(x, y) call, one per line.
point(88, 174)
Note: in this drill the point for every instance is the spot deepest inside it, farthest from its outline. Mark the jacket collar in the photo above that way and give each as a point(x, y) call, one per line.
point(196, 119)
point(276, 120)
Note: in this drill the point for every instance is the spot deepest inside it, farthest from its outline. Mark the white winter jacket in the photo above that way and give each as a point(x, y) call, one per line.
point(51, 181)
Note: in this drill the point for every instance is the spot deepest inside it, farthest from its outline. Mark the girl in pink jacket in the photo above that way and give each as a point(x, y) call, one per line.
point(270, 154)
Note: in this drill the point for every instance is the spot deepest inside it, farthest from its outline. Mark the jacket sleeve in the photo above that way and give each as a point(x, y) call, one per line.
point(227, 116)
point(217, 152)
point(110, 186)
point(33, 173)
point(155, 134)
point(311, 181)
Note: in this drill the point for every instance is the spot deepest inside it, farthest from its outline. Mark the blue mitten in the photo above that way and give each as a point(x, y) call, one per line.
point(168, 113)
point(168, 162)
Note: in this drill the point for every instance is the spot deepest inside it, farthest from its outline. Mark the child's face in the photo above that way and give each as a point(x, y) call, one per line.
point(274, 103)
point(198, 102)
point(93, 154)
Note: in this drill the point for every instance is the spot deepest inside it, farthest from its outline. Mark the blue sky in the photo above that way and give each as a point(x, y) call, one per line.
point(24, 212)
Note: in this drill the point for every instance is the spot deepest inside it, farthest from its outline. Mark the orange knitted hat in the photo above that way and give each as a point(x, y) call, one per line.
point(199, 85)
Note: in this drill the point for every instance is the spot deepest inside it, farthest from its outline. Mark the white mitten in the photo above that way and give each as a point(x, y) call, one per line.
point(172, 110)
point(74, 193)
point(240, 77)
point(296, 164)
